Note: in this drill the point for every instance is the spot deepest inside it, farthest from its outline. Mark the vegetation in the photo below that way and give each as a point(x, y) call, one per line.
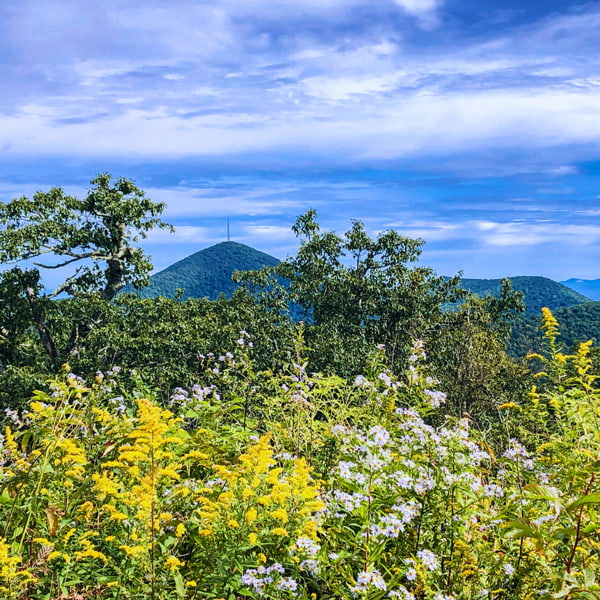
point(97, 233)
point(386, 446)
point(308, 486)
point(579, 323)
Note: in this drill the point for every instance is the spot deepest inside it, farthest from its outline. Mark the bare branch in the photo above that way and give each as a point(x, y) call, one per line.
point(62, 264)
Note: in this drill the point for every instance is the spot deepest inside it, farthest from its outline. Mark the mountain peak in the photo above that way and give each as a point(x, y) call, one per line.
point(208, 272)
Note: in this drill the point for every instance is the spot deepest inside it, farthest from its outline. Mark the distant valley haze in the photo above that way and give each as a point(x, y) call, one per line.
point(475, 126)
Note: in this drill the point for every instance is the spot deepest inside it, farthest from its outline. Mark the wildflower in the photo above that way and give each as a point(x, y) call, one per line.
point(435, 398)
point(287, 583)
point(251, 515)
point(385, 378)
point(280, 515)
point(173, 563)
point(429, 559)
point(379, 435)
point(366, 579)
point(310, 565)
point(361, 381)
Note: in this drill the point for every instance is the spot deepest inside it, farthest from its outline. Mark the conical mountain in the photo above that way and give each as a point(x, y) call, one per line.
point(207, 273)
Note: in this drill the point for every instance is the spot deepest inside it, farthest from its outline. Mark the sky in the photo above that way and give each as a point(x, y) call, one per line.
point(472, 125)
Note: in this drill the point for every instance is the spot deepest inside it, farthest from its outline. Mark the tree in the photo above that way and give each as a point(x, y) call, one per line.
point(469, 357)
point(357, 292)
point(98, 233)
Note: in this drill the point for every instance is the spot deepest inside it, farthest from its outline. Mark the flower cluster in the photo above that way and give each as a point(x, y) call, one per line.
point(263, 579)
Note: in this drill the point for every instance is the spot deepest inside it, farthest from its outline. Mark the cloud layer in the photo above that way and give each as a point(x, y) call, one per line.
point(473, 126)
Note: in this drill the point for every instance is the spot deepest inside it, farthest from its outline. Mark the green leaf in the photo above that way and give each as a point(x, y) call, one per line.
point(179, 584)
point(588, 499)
point(520, 528)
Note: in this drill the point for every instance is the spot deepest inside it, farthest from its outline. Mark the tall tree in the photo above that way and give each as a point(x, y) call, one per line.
point(357, 291)
point(97, 233)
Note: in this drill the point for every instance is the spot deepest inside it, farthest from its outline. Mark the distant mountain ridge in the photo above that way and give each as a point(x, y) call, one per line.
point(539, 292)
point(207, 273)
point(587, 287)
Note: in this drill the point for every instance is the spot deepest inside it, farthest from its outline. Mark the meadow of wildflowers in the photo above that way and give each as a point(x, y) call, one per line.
point(298, 485)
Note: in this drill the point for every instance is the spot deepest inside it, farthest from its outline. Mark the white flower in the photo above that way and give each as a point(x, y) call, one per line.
point(429, 559)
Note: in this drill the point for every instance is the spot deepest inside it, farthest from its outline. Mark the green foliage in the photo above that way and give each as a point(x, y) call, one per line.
point(99, 228)
point(282, 484)
point(578, 324)
point(357, 292)
point(556, 509)
point(468, 355)
point(98, 233)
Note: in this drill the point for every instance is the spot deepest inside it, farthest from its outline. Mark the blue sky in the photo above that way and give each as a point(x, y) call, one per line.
point(475, 126)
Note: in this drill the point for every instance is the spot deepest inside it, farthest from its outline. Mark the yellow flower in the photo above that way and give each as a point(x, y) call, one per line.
point(69, 535)
point(191, 583)
point(180, 530)
point(114, 514)
point(280, 531)
point(251, 515)
point(89, 551)
point(252, 537)
point(133, 550)
point(280, 514)
point(173, 563)
point(105, 485)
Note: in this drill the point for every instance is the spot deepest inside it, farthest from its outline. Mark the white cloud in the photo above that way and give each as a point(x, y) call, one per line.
point(214, 200)
point(342, 88)
point(270, 232)
point(531, 234)
point(401, 127)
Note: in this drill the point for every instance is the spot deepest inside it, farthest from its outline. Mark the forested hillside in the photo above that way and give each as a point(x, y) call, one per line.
point(207, 273)
point(579, 323)
point(538, 292)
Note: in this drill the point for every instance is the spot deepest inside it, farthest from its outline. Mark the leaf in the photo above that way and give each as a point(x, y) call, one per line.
point(587, 499)
point(108, 449)
point(179, 584)
point(519, 528)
